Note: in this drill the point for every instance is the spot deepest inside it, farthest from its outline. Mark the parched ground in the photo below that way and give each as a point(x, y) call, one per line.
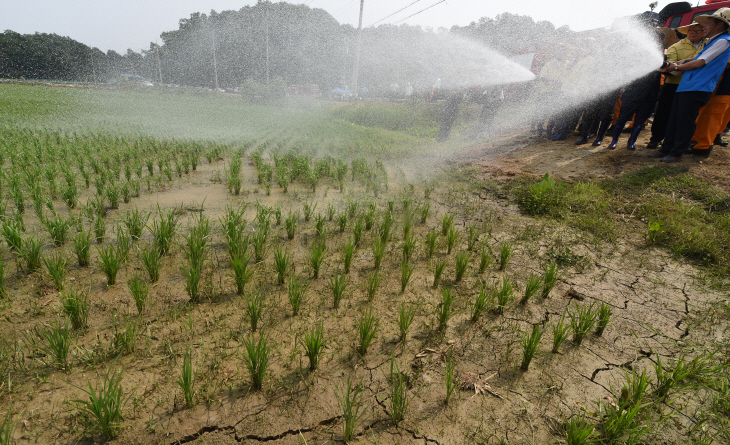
point(661, 308)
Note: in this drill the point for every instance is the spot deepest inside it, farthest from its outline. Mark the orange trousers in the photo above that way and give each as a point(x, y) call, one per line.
point(711, 121)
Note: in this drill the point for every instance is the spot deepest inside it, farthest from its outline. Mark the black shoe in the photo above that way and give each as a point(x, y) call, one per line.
point(652, 145)
point(613, 144)
point(692, 144)
point(631, 146)
point(701, 153)
point(669, 159)
point(597, 142)
point(657, 154)
point(718, 141)
point(582, 140)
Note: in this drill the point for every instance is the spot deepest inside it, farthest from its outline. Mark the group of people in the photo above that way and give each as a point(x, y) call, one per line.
point(691, 106)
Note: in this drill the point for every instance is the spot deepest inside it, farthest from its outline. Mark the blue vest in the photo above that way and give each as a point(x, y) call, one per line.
point(705, 78)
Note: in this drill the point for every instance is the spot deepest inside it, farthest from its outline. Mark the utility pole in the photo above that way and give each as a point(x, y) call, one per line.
point(159, 67)
point(267, 44)
point(93, 70)
point(215, 64)
point(356, 68)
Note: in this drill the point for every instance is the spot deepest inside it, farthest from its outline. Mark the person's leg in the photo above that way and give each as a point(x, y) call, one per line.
point(642, 114)
point(628, 109)
point(685, 122)
point(671, 128)
point(707, 121)
point(450, 112)
point(661, 117)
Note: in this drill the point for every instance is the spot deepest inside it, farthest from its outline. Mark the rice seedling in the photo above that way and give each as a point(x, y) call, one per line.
point(242, 273)
point(139, 290)
point(186, 381)
point(11, 233)
point(378, 252)
point(484, 299)
point(506, 251)
point(636, 388)
point(124, 244)
point(314, 344)
point(125, 334)
point(256, 358)
point(444, 311)
point(549, 279)
point(347, 254)
point(485, 258)
point(58, 229)
point(452, 381)
point(560, 333)
point(447, 222)
point(462, 263)
point(406, 315)
point(504, 294)
point(330, 212)
point(337, 284)
point(407, 224)
point(30, 252)
point(56, 344)
point(425, 211)
point(531, 287)
point(308, 209)
point(384, 231)
point(319, 221)
point(603, 313)
point(111, 261)
point(367, 328)
point(622, 423)
point(112, 193)
point(357, 231)
point(400, 400)
point(103, 408)
point(291, 224)
point(342, 222)
point(578, 431)
point(3, 292)
point(431, 239)
point(350, 400)
point(373, 284)
point(369, 217)
point(316, 258)
point(406, 273)
point(82, 247)
point(530, 343)
point(473, 237)
point(75, 307)
point(439, 267)
point(56, 267)
point(409, 246)
point(254, 308)
point(7, 429)
point(451, 237)
point(281, 263)
point(296, 290)
point(99, 229)
point(582, 321)
point(259, 240)
point(696, 369)
point(135, 221)
point(164, 230)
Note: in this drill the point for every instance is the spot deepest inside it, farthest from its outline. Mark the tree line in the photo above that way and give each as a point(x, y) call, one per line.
point(266, 42)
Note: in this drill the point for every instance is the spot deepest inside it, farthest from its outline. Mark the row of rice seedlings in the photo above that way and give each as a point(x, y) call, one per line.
point(196, 254)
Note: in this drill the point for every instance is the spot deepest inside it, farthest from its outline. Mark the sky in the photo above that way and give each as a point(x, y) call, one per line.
point(122, 24)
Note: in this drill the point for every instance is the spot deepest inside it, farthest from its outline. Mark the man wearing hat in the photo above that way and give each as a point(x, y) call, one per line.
point(686, 48)
point(697, 84)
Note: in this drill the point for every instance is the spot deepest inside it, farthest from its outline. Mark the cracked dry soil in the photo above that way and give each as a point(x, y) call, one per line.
point(655, 300)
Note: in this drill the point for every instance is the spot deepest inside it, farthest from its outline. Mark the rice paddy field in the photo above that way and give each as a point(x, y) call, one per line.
point(190, 268)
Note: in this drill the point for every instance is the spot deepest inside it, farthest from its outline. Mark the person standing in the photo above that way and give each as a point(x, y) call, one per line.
point(686, 48)
point(713, 118)
point(697, 84)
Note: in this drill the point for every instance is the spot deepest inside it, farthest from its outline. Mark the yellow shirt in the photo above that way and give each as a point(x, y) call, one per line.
point(684, 49)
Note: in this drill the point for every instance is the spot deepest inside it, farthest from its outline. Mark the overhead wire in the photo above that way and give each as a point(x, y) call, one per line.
point(424, 9)
point(344, 7)
point(396, 12)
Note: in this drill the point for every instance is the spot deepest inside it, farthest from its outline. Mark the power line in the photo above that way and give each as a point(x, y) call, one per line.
point(347, 6)
point(424, 9)
point(396, 12)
